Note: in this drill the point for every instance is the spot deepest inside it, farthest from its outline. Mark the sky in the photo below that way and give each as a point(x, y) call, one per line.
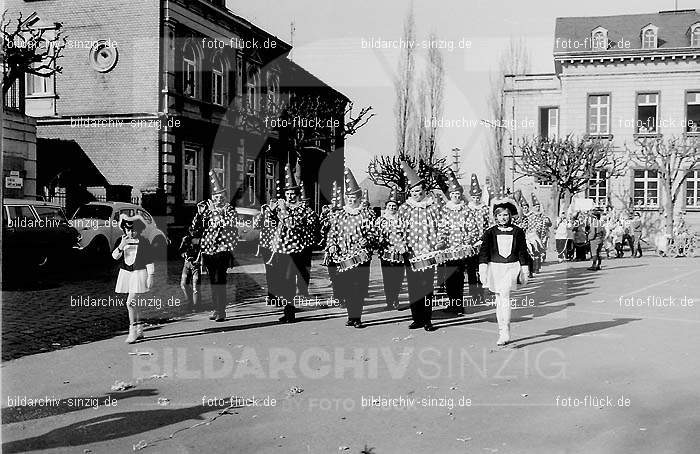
point(332, 40)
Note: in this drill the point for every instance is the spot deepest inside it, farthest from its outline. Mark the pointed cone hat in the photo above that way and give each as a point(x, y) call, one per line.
point(393, 196)
point(289, 181)
point(452, 183)
point(411, 176)
point(474, 188)
point(351, 186)
point(535, 201)
point(216, 186)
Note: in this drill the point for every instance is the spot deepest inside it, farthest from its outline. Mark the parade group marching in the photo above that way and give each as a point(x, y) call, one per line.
point(486, 240)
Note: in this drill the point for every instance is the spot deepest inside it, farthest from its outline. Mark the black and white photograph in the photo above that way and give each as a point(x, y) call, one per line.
point(379, 227)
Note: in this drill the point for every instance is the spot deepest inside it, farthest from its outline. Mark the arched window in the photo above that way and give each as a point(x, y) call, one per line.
point(600, 40)
point(273, 88)
point(252, 89)
point(649, 35)
point(218, 80)
point(695, 35)
point(190, 70)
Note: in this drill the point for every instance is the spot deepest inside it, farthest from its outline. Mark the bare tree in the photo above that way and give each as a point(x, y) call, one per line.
point(404, 86)
point(671, 159)
point(514, 60)
point(28, 50)
point(387, 171)
point(569, 163)
point(434, 87)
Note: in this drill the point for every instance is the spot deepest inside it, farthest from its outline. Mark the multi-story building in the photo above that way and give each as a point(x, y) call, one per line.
point(158, 92)
point(619, 78)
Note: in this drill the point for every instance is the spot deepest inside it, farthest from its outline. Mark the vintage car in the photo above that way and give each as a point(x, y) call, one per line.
point(98, 224)
point(35, 234)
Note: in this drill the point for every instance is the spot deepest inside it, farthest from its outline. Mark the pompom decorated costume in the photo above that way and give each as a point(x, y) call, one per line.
point(349, 245)
point(481, 213)
point(391, 248)
point(419, 223)
point(219, 240)
point(458, 227)
point(294, 235)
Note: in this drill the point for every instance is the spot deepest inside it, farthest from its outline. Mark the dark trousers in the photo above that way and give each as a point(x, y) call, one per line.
point(392, 275)
point(304, 266)
point(216, 266)
point(472, 263)
point(352, 286)
point(454, 283)
point(269, 270)
point(420, 293)
point(284, 288)
point(332, 274)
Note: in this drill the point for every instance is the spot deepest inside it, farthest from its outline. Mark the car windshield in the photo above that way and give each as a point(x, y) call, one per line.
point(50, 213)
point(93, 212)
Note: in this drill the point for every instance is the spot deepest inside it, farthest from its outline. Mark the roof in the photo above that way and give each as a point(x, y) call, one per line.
point(300, 77)
point(30, 202)
point(673, 30)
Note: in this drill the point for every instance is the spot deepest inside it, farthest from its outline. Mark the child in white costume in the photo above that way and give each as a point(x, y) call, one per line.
point(135, 269)
point(503, 262)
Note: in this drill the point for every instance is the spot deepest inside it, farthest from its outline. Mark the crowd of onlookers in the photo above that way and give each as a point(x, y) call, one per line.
point(581, 233)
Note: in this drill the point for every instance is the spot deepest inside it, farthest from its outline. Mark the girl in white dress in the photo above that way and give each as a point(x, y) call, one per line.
point(135, 270)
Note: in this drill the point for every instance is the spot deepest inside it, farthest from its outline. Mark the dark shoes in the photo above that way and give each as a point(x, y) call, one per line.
point(415, 325)
point(358, 324)
point(429, 327)
point(287, 319)
point(350, 323)
point(214, 315)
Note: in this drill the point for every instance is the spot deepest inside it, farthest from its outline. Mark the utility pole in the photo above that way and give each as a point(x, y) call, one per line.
point(455, 160)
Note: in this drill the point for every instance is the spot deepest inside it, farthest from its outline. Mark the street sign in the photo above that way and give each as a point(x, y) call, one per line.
point(14, 182)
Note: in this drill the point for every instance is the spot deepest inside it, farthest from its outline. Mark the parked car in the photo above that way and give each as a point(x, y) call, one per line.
point(36, 233)
point(245, 219)
point(98, 223)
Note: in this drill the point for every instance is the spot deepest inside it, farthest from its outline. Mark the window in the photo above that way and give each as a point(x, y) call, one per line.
point(692, 193)
point(217, 81)
point(270, 179)
point(189, 71)
point(599, 39)
point(18, 213)
point(692, 112)
point(218, 166)
point(646, 188)
point(695, 35)
point(252, 89)
point(49, 214)
point(649, 35)
point(647, 108)
point(40, 85)
point(273, 88)
point(543, 181)
point(250, 179)
point(598, 188)
point(191, 173)
point(239, 76)
point(549, 122)
point(599, 114)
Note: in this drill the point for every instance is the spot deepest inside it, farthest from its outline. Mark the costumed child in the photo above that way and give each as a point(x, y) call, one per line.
point(391, 248)
point(136, 269)
point(503, 261)
point(192, 266)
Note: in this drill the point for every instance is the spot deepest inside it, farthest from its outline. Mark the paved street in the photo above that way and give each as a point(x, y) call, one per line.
point(596, 359)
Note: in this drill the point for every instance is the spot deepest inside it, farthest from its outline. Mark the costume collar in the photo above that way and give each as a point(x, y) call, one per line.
point(387, 215)
point(507, 228)
point(426, 202)
point(454, 206)
point(351, 210)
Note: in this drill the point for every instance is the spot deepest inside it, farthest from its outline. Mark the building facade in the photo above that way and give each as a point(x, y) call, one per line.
point(618, 78)
point(158, 92)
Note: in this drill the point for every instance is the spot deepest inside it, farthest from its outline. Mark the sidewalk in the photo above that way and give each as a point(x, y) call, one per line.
point(386, 387)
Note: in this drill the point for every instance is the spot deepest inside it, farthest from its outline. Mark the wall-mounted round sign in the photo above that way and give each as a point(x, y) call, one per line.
point(103, 56)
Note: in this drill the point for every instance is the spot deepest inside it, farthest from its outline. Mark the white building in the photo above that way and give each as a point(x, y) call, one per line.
point(616, 77)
